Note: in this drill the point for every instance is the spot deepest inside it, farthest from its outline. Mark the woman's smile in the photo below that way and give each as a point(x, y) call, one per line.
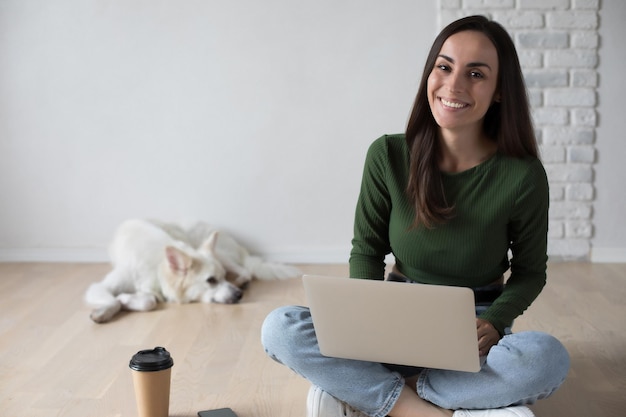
point(452, 103)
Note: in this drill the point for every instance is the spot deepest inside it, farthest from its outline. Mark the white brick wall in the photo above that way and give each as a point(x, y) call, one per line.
point(557, 42)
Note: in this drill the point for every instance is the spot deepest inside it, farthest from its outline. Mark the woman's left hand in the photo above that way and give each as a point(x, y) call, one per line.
point(487, 336)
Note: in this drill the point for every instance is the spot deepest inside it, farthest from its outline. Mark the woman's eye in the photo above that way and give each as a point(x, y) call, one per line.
point(476, 74)
point(443, 67)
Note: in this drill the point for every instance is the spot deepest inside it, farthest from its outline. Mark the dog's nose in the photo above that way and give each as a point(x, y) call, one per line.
point(234, 297)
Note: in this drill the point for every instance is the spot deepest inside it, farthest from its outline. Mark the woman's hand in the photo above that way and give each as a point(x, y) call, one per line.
point(487, 336)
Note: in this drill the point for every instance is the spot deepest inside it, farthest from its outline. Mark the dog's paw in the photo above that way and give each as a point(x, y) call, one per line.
point(102, 315)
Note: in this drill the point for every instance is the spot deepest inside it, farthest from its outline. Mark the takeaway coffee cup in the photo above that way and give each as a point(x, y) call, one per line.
point(152, 370)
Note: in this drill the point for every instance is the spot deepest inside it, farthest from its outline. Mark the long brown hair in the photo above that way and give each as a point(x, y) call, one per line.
point(507, 122)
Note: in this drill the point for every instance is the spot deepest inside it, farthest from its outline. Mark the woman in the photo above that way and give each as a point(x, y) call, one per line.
point(450, 199)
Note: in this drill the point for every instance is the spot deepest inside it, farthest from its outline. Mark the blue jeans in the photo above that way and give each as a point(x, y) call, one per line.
point(522, 368)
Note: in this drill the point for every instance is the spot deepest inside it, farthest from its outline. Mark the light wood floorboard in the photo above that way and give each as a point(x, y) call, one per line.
point(55, 362)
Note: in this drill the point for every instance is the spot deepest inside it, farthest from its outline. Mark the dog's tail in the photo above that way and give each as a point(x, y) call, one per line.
point(265, 270)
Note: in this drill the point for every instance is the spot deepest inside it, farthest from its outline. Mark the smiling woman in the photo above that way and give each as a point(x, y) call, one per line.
point(449, 199)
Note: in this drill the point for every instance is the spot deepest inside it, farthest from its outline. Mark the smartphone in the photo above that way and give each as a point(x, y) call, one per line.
point(222, 412)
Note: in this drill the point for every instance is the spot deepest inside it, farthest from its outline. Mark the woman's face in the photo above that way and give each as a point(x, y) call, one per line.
point(462, 84)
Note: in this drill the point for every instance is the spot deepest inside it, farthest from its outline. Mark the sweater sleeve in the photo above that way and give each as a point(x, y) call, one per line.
point(528, 228)
point(370, 244)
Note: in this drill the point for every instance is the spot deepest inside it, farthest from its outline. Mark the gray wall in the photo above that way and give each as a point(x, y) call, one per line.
point(253, 116)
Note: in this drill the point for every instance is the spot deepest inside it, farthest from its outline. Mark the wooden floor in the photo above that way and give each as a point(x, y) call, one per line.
point(55, 362)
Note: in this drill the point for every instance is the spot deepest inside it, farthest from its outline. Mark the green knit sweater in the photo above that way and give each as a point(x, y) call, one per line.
point(500, 205)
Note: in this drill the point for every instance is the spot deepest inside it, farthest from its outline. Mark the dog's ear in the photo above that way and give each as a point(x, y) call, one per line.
point(209, 244)
point(178, 261)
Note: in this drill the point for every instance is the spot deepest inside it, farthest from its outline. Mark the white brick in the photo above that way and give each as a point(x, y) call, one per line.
point(567, 135)
point(520, 20)
point(542, 40)
point(556, 229)
point(544, 4)
point(489, 3)
point(546, 78)
point(530, 59)
point(578, 229)
point(569, 249)
point(535, 97)
point(586, 4)
point(550, 116)
point(574, 97)
point(557, 192)
point(576, 58)
point(584, 78)
point(552, 154)
point(570, 210)
point(579, 192)
point(587, 39)
point(584, 117)
point(569, 172)
point(581, 154)
point(572, 20)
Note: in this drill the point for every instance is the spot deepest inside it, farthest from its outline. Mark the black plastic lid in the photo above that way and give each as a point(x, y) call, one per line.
point(151, 360)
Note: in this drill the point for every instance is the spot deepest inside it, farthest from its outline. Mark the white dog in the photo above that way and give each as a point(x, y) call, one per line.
point(155, 262)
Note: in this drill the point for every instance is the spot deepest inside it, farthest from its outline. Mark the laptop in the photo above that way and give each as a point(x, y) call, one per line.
point(430, 326)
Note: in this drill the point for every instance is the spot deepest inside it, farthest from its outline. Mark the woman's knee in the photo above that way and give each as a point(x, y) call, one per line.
point(542, 359)
point(281, 326)
point(542, 348)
